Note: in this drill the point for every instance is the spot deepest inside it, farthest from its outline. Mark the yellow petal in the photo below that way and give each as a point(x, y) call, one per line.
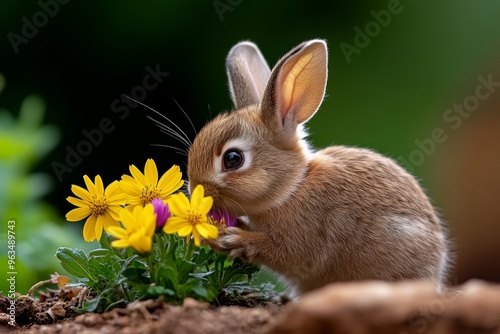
point(173, 224)
point(130, 185)
point(205, 205)
point(165, 192)
point(127, 219)
point(113, 190)
point(207, 231)
point(99, 224)
point(171, 181)
point(133, 202)
point(120, 199)
point(81, 192)
point(149, 224)
point(108, 221)
point(139, 214)
point(114, 211)
point(78, 202)
point(137, 175)
point(98, 185)
point(149, 210)
point(151, 173)
point(90, 186)
point(89, 229)
point(196, 237)
point(185, 230)
point(77, 214)
point(179, 204)
point(197, 196)
point(130, 208)
point(123, 243)
point(117, 232)
point(140, 242)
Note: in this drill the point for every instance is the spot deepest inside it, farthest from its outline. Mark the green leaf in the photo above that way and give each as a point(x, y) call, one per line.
point(75, 261)
point(201, 291)
point(236, 271)
point(185, 268)
point(170, 274)
point(99, 252)
point(105, 243)
point(137, 275)
point(201, 275)
point(204, 256)
point(75, 285)
point(89, 305)
point(155, 291)
point(127, 262)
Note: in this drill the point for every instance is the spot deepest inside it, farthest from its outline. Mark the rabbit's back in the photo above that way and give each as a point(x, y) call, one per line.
point(371, 218)
point(369, 182)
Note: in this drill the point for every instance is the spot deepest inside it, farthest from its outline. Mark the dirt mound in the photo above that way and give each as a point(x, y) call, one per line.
point(371, 307)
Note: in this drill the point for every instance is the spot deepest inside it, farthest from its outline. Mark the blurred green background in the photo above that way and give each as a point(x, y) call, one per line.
point(78, 58)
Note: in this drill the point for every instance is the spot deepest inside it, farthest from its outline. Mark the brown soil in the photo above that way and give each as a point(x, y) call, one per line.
point(242, 314)
point(356, 307)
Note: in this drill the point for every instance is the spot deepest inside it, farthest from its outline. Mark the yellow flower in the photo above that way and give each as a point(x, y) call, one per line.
point(138, 229)
point(191, 217)
point(103, 206)
point(143, 188)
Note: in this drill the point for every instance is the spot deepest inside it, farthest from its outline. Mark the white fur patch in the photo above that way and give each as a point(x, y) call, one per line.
point(304, 144)
point(409, 228)
point(229, 241)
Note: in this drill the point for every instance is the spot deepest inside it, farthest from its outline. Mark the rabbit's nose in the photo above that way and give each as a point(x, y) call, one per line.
point(209, 188)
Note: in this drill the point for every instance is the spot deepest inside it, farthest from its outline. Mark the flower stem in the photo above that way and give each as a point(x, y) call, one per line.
point(189, 252)
point(153, 272)
point(216, 274)
point(161, 247)
point(125, 292)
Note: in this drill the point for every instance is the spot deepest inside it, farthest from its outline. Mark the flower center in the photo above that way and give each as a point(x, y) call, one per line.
point(98, 206)
point(148, 194)
point(217, 223)
point(193, 217)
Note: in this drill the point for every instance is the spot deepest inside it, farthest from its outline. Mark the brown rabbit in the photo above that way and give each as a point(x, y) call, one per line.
point(314, 217)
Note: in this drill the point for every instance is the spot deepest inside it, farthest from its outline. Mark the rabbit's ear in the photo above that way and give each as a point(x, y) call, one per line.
point(297, 84)
point(248, 74)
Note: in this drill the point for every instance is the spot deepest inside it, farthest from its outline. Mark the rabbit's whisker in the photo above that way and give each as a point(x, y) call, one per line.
point(238, 204)
point(209, 111)
point(187, 116)
point(176, 132)
point(179, 150)
point(171, 132)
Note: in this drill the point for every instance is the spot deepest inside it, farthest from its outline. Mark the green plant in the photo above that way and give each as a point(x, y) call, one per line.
point(152, 247)
point(24, 141)
point(119, 276)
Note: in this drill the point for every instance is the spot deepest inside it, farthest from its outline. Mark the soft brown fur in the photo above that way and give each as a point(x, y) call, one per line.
point(338, 214)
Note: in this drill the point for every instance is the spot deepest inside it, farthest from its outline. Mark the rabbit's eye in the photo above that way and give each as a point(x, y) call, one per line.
point(233, 159)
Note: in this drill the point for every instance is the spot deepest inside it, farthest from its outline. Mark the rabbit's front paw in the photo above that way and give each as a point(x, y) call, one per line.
point(236, 243)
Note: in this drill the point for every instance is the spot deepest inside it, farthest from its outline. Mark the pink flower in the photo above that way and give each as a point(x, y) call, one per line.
point(222, 217)
point(162, 212)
